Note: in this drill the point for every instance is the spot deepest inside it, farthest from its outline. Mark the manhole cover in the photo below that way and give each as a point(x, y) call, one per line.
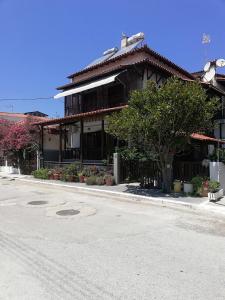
point(68, 212)
point(37, 202)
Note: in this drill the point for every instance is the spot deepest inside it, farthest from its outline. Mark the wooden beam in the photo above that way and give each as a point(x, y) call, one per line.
point(42, 139)
point(60, 143)
point(81, 140)
point(102, 139)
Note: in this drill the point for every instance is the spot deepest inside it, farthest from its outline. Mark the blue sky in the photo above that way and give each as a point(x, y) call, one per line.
point(41, 42)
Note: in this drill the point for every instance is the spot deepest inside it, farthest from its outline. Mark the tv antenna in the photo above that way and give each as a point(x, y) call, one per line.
point(206, 40)
point(210, 69)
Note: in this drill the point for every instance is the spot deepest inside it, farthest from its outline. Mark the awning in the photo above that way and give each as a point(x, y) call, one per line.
point(87, 86)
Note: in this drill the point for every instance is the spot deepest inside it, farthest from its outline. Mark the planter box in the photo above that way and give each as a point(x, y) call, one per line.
point(215, 196)
point(188, 188)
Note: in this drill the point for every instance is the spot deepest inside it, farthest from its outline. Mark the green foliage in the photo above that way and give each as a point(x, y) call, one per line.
point(213, 186)
point(163, 116)
point(218, 155)
point(109, 179)
point(91, 180)
point(64, 177)
point(72, 169)
point(197, 182)
point(41, 173)
point(160, 120)
point(100, 180)
point(133, 153)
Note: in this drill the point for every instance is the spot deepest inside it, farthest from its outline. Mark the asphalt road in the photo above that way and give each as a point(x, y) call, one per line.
point(107, 250)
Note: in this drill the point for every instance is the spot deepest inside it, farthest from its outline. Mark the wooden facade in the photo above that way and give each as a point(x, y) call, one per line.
point(82, 133)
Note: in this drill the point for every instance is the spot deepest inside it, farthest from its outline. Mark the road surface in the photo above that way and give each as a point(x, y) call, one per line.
point(80, 246)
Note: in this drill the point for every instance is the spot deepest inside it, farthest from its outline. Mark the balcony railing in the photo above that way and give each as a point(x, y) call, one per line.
point(73, 154)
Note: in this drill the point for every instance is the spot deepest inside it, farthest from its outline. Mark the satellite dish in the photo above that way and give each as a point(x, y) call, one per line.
point(220, 62)
point(207, 66)
point(210, 74)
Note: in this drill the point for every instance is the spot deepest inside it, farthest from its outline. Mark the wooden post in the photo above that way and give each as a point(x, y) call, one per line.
point(41, 155)
point(81, 140)
point(60, 143)
point(102, 140)
point(42, 139)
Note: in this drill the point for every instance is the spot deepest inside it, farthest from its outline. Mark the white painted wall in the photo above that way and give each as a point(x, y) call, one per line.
point(217, 172)
point(51, 141)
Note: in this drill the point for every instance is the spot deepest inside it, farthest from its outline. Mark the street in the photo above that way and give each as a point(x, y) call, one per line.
point(58, 244)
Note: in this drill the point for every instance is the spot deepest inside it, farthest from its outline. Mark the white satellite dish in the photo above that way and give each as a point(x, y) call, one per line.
point(220, 62)
point(207, 66)
point(210, 74)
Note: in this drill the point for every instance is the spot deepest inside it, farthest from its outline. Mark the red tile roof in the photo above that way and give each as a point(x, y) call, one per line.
point(71, 118)
point(162, 61)
point(205, 138)
point(21, 116)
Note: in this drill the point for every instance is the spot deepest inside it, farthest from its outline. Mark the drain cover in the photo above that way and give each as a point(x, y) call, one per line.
point(68, 212)
point(37, 202)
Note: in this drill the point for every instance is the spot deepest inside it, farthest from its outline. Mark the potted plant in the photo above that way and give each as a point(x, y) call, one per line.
point(214, 190)
point(100, 180)
point(57, 174)
point(50, 175)
point(197, 182)
point(188, 187)
point(205, 188)
point(91, 180)
point(71, 172)
point(177, 186)
point(109, 180)
point(81, 177)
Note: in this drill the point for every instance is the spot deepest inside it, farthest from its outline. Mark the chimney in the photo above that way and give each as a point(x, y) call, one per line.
point(123, 41)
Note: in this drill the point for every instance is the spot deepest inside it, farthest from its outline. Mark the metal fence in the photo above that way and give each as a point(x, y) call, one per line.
point(149, 175)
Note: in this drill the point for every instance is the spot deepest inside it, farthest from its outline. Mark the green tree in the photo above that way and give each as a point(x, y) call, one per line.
point(160, 120)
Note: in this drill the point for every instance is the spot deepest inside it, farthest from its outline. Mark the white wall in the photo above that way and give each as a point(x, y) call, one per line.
point(51, 141)
point(217, 172)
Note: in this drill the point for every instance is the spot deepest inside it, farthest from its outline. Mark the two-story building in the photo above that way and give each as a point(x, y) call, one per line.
point(103, 87)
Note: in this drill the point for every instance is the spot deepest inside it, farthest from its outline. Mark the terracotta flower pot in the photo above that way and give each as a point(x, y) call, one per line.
point(205, 189)
point(81, 178)
point(71, 178)
point(109, 181)
point(50, 176)
point(56, 176)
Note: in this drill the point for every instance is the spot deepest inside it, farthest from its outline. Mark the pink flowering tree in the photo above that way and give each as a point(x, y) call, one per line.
point(19, 140)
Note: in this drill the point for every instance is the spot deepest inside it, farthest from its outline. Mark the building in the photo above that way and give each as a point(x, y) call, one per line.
point(103, 87)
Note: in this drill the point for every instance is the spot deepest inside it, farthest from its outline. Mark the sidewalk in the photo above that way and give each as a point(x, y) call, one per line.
point(124, 192)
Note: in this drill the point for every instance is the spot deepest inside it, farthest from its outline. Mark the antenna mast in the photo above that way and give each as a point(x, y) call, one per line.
point(206, 40)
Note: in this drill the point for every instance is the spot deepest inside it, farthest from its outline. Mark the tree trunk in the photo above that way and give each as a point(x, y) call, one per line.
point(167, 172)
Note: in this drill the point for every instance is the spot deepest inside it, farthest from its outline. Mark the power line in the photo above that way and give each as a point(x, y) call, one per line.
point(26, 99)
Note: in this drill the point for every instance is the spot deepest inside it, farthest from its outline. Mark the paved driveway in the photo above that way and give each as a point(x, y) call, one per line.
point(58, 244)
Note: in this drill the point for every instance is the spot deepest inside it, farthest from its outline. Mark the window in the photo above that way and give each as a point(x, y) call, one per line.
point(116, 94)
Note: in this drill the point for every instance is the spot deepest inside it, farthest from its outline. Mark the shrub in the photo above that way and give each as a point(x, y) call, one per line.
point(41, 173)
point(64, 177)
point(91, 180)
point(109, 179)
point(86, 172)
point(213, 186)
point(100, 180)
point(197, 182)
point(71, 169)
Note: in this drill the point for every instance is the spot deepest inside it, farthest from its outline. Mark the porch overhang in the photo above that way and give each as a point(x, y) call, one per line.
point(77, 117)
point(88, 86)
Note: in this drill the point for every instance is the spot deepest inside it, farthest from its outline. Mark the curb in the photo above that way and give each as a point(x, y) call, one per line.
point(119, 196)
